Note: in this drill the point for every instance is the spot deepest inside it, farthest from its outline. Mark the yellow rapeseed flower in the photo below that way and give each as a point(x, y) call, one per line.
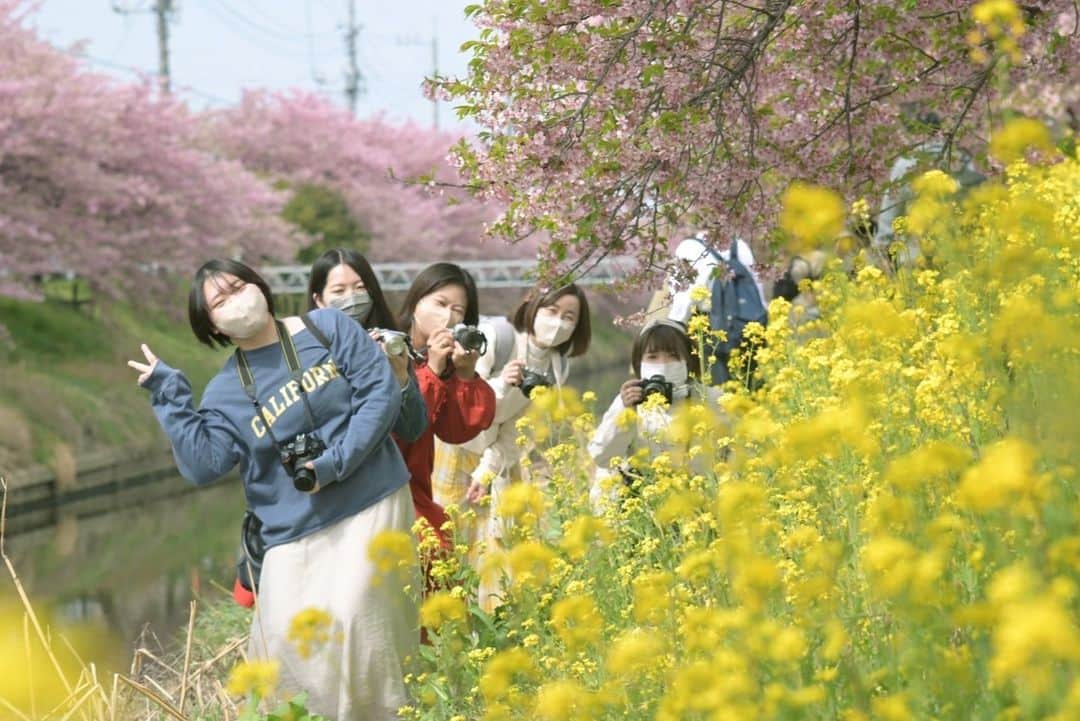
point(531, 563)
point(257, 678)
point(309, 630)
point(888, 561)
point(577, 621)
point(520, 500)
point(392, 552)
point(581, 532)
point(1033, 633)
point(634, 652)
point(562, 700)
point(811, 214)
point(1017, 136)
point(440, 608)
point(652, 593)
point(891, 708)
point(501, 671)
point(1005, 472)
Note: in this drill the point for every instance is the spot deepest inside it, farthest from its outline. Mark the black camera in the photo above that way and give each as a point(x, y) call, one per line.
point(301, 450)
point(656, 384)
point(531, 379)
point(470, 337)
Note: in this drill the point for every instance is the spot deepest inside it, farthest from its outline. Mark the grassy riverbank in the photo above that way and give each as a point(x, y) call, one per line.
point(64, 385)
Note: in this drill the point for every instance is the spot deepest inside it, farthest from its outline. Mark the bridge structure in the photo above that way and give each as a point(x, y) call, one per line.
point(293, 279)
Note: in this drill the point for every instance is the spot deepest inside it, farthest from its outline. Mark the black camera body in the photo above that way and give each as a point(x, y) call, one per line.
point(302, 449)
point(657, 384)
point(470, 337)
point(531, 379)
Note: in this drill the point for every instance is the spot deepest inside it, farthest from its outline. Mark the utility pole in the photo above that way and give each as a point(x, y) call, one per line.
point(434, 70)
point(162, 9)
point(354, 81)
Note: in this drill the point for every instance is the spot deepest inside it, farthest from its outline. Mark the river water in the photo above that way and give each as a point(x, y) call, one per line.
point(135, 569)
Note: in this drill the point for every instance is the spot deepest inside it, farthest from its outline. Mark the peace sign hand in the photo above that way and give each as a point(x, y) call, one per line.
point(145, 369)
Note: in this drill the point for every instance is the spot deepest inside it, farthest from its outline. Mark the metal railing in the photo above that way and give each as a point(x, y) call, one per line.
point(293, 279)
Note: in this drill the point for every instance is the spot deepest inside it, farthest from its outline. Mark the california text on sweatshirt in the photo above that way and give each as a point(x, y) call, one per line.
point(354, 398)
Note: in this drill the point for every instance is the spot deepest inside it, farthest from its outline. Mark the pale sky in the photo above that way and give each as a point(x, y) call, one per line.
point(219, 47)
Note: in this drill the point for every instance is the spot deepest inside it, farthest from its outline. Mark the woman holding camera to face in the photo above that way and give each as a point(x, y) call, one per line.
point(305, 407)
point(531, 349)
point(664, 363)
point(460, 404)
point(343, 279)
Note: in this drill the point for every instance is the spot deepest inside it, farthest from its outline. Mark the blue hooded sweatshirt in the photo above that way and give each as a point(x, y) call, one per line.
point(354, 398)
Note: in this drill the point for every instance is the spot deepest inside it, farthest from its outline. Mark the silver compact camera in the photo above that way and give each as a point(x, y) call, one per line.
point(395, 342)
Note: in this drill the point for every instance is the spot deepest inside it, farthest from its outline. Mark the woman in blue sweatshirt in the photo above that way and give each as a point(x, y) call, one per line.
point(319, 516)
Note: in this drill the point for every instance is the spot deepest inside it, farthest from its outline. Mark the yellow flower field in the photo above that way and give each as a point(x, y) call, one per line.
point(890, 528)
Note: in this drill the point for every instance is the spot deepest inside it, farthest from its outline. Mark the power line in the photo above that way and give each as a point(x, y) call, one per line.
point(273, 34)
point(272, 23)
point(142, 74)
point(256, 40)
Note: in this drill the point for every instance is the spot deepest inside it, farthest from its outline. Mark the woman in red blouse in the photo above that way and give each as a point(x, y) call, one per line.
point(460, 403)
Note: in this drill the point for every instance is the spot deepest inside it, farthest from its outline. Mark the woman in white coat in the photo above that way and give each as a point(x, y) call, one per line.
point(533, 348)
point(663, 360)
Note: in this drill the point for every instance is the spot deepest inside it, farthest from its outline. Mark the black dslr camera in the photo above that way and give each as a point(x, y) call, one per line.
point(531, 379)
point(656, 384)
point(296, 453)
point(470, 337)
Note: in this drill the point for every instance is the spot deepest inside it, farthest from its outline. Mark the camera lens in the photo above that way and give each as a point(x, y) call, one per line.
point(395, 345)
point(304, 479)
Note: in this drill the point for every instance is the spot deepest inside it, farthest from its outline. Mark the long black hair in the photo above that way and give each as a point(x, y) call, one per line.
point(380, 317)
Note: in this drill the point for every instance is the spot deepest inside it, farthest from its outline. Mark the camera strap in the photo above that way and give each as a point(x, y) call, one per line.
point(292, 360)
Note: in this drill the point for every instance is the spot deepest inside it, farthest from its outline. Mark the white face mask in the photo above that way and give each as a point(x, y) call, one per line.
point(430, 319)
point(243, 315)
point(357, 306)
point(674, 372)
point(549, 331)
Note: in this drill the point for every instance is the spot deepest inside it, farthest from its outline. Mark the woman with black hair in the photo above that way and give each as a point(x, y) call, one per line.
point(663, 361)
point(460, 403)
point(342, 278)
point(531, 348)
point(304, 407)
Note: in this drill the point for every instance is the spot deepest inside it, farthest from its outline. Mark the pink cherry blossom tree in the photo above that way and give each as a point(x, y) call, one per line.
point(106, 179)
point(396, 179)
point(615, 126)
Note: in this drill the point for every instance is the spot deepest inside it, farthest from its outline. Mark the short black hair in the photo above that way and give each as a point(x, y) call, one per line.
point(380, 317)
point(666, 336)
point(199, 312)
point(525, 316)
point(430, 279)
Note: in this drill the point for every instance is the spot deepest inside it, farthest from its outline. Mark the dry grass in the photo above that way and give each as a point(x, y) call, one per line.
point(182, 684)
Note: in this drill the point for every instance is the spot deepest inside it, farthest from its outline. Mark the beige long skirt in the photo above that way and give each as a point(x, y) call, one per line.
point(357, 673)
